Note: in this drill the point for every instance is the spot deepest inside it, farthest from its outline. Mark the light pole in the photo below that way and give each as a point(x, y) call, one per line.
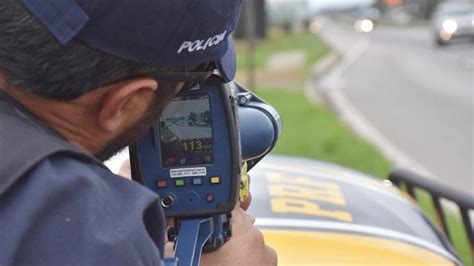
point(250, 32)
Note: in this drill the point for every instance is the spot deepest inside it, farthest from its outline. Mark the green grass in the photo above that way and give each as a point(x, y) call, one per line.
point(455, 226)
point(459, 238)
point(310, 43)
point(313, 132)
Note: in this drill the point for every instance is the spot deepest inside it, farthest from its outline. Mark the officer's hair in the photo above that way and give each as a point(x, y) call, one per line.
point(32, 59)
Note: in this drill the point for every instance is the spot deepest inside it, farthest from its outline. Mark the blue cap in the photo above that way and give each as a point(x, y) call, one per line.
point(154, 32)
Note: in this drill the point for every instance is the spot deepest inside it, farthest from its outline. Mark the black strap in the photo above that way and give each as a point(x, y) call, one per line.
point(25, 141)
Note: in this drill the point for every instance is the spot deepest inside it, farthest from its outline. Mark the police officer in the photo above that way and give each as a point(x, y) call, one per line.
point(80, 80)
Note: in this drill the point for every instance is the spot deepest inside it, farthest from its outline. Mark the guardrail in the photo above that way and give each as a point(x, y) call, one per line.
point(438, 191)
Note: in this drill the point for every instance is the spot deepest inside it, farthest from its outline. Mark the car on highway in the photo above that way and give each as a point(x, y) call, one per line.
point(453, 20)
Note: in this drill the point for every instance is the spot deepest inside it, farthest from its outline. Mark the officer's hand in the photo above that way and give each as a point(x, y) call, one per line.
point(245, 247)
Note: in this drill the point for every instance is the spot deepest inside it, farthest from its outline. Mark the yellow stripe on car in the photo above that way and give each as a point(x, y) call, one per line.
point(327, 248)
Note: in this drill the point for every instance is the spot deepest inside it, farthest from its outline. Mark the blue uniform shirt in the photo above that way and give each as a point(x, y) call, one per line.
point(66, 211)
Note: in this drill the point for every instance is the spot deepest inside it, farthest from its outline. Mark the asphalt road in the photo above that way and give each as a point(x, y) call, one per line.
point(418, 96)
point(189, 132)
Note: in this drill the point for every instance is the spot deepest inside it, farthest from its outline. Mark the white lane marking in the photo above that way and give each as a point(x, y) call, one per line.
point(332, 87)
point(353, 228)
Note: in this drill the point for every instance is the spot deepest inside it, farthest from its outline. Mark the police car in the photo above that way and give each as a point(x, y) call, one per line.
point(315, 213)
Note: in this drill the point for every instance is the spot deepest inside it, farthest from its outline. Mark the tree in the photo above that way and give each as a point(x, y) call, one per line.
point(430, 8)
point(192, 119)
point(380, 5)
point(260, 20)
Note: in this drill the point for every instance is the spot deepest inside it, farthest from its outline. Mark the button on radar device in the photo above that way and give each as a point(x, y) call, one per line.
point(195, 157)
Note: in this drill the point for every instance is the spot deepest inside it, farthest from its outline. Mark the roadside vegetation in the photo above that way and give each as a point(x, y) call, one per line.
point(279, 42)
point(312, 131)
point(308, 131)
point(455, 226)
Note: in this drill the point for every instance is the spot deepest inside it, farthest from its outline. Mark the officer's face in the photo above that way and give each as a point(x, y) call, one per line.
point(159, 102)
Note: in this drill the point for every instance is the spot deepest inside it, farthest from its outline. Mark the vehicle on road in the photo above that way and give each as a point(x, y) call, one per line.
point(364, 25)
point(315, 213)
point(453, 20)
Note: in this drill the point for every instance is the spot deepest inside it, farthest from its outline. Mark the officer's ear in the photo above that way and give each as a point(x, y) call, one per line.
point(125, 103)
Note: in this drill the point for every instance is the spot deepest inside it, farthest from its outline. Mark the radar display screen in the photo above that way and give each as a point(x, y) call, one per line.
point(186, 132)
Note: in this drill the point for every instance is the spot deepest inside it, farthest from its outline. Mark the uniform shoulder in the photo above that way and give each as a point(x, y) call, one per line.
point(82, 212)
point(71, 171)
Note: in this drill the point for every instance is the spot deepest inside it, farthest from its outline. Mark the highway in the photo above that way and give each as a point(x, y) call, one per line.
point(189, 132)
point(418, 96)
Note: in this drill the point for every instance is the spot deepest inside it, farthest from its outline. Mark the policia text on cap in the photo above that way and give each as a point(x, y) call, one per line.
point(73, 91)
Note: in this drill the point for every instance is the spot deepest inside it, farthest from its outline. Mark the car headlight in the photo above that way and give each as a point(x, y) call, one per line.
point(450, 26)
point(365, 25)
